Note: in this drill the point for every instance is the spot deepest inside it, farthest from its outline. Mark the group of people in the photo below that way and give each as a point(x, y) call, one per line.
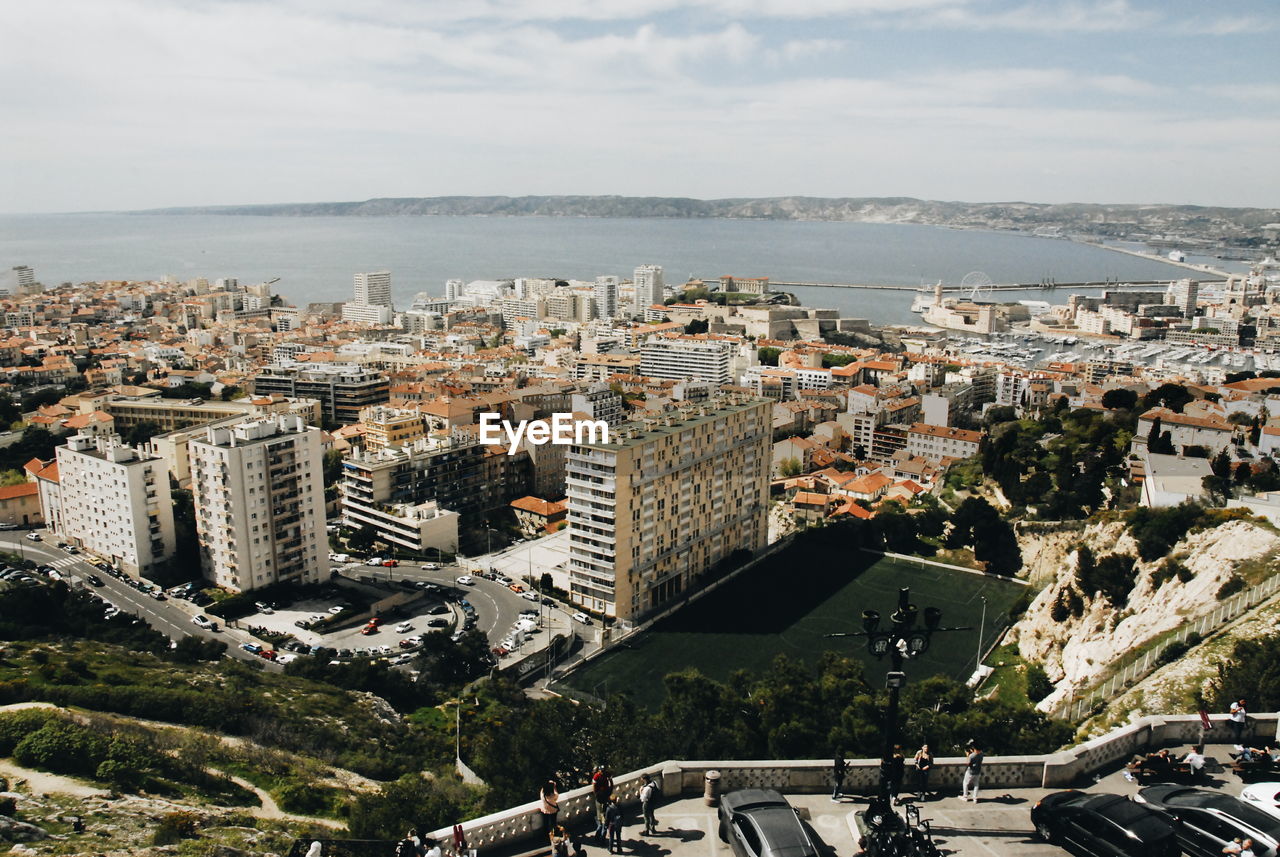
point(412, 845)
point(893, 770)
point(608, 812)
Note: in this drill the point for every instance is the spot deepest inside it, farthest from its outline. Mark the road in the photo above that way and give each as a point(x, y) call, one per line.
point(497, 607)
point(171, 617)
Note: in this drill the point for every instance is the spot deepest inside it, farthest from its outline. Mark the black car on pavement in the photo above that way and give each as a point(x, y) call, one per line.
point(1104, 825)
point(1207, 821)
point(760, 823)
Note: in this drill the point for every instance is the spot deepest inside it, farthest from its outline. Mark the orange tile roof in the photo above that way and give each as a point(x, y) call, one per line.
point(537, 506)
point(26, 489)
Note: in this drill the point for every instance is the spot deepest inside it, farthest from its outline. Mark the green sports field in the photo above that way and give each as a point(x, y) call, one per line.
point(786, 606)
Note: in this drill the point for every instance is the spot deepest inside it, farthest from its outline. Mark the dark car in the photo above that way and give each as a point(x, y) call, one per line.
point(95, 580)
point(1104, 825)
point(1207, 820)
point(760, 823)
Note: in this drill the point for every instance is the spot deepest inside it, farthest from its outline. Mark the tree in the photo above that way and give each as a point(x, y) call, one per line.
point(1119, 399)
point(1157, 530)
point(1172, 396)
point(1221, 465)
point(768, 356)
point(1157, 441)
point(141, 433)
point(790, 467)
point(697, 325)
point(409, 802)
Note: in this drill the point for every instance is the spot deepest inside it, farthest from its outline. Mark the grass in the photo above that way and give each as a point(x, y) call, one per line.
point(1008, 679)
point(788, 605)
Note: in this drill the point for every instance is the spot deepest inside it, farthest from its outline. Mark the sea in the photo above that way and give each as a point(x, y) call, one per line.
point(314, 258)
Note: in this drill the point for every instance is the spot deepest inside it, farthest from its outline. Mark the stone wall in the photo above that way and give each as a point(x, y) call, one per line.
point(687, 778)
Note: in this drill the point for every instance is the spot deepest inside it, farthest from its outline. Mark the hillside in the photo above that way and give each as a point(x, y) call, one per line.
point(1208, 223)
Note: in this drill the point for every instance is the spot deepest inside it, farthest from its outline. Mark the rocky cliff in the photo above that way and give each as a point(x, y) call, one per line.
point(1076, 648)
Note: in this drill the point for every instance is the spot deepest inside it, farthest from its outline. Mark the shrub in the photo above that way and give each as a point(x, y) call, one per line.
point(175, 827)
point(62, 747)
point(1038, 684)
point(1230, 586)
point(16, 725)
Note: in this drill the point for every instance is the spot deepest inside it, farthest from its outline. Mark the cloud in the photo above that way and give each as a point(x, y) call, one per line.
point(1050, 17)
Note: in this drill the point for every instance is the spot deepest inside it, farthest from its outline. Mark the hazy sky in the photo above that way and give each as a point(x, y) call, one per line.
point(121, 104)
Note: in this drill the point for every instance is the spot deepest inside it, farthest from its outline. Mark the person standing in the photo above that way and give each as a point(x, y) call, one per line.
point(602, 791)
point(613, 826)
point(648, 799)
point(1239, 719)
point(559, 842)
point(550, 806)
point(924, 764)
point(972, 772)
point(838, 769)
point(897, 770)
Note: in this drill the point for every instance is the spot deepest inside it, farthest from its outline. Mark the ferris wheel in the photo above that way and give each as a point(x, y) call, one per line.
point(976, 285)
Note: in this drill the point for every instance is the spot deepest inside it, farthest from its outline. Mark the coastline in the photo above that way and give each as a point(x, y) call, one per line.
point(1201, 269)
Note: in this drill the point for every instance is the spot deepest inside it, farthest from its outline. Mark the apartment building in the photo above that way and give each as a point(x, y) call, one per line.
point(373, 288)
point(650, 287)
point(385, 426)
point(934, 443)
point(385, 484)
point(686, 358)
point(259, 500)
point(343, 389)
point(666, 500)
point(115, 503)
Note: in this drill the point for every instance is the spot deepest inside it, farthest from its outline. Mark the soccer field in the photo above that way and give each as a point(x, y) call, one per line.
point(787, 605)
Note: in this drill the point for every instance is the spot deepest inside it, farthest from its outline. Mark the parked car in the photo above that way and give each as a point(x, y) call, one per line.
point(251, 648)
point(582, 617)
point(531, 596)
point(432, 566)
point(405, 644)
point(334, 611)
point(369, 629)
point(1105, 825)
point(286, 658)
point(95, 580)
point(1264, 796)
point(72, 549)
point(404, 628)
point(373, 560)
point(267, 654)
point(1209, 820)
point(760, 823)
point(34, 537)
point(437, 622)
point(201, 621)
point(391, 563)
point(465, 580)
point(5, 525)
point(516, 587)
point(263, 608)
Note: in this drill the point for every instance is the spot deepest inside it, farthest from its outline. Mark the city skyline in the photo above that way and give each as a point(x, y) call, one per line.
point(212, 103)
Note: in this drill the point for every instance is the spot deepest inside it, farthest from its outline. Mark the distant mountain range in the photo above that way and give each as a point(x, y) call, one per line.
point(1069, 218)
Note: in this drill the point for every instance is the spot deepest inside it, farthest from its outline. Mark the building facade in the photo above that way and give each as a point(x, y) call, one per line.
point(343, 389)
point(684, 358)
point(668, 499)
point(115, 503)
point(373, 288)
point(259, 499)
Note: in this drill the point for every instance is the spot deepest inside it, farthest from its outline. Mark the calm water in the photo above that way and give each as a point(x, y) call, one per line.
point(315, 257)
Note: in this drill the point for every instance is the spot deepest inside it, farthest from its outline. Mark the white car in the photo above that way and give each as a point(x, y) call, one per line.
point(373, 560)
point(465, 580)
point(530, 596)
point(384, 649)
point(403, 628)
point(334, 611)
point(286, 658)
point(582, 617)
point(35, 537)
point(340, 557)
point(432, 566)
point(201, 621)
point(1264, 796)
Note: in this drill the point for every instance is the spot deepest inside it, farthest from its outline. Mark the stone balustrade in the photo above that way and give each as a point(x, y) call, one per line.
point(682, 778)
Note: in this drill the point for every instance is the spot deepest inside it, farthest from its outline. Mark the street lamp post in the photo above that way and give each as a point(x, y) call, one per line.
point(977, 665)
point(901, 640)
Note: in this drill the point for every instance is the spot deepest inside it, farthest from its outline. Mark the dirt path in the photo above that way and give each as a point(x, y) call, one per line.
point(40, 782)
point(270, 809)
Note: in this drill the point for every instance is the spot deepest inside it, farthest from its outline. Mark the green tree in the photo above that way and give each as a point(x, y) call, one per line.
point(768, 356)
point(696, 326)
point(1172, 396)
point(790, 467)
point(1119, 399)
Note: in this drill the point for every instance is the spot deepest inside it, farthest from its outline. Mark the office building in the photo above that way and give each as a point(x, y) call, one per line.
point(259, 499)
point(343, 389)
point(687, 358)
point(665, 501)
point(367, 313)
point(649, 287)
point(373, 289)
point(115, 503)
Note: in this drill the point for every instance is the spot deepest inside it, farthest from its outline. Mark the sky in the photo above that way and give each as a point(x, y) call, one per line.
point(133, 104)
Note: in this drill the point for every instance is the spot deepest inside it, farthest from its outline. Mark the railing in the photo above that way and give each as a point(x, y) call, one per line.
point(677, 779)
point(1134, 667)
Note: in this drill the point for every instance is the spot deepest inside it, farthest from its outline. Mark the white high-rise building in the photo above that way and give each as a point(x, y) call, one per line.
point(259, 501)
point(453, 289)
point(373, 288)
point(686, 358)
point(115, 502)
point(606, 297)
point(649, 286)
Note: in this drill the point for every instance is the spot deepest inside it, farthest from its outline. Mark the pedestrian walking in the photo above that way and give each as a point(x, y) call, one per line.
point(613, 826)
point(972, 772)
point(648, 800)
point(1239, 718)
point(897, 770)
point(838, 770)
point(550, 795)
point(924, 764)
